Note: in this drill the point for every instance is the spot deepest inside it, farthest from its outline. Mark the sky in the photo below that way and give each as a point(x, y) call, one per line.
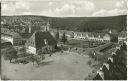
point(65, 8)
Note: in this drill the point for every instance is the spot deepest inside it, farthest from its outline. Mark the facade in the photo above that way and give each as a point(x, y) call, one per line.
point(89, 36)
point(107, 38)
point(39, 40)
point(10, 36)
point(101, 37)
point(80, 35)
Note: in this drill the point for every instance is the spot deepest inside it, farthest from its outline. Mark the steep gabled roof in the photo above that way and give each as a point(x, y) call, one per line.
point(31, 41)
point(100, 75)
point(41, 36)
point(105, 66)
point(99, 34)
point(123, 34)
point(110, 60)
point(38, 37)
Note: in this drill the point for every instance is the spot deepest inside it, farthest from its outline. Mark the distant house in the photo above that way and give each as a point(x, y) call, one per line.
point(122, 36)
point(10, 36)
point(101, 37)
point(5, 44)
point(78, 35)
point(81, 35)
point(99, 76)
point(69, 34)
point(97, 36)
point(89, 36)
point(40, 39)
point(107, 37)
point(105, 69)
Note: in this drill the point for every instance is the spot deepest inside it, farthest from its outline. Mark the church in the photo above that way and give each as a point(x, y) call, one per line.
point(39, 39)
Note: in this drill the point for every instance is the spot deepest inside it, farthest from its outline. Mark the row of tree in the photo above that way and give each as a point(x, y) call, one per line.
point(62, 39)
point(21, 56)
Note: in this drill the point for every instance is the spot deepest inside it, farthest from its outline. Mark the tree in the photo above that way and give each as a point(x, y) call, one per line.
point(36, 58)
point(57, 36)
point(31, 58)
point(91, 54)
point(114, 38)
point(64, 38)
point(44, 50)
point(10, 54)
point(41, 54)
point(22, 51)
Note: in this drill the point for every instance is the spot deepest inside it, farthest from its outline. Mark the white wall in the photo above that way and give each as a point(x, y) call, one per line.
point(121, 38)
point(7, 38)
point(106, 37)
point(31, 49)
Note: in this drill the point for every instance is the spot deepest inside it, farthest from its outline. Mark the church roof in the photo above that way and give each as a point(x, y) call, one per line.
point(38, 37)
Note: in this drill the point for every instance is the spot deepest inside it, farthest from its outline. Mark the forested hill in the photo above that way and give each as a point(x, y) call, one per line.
point(75, 23)
point(90, 23)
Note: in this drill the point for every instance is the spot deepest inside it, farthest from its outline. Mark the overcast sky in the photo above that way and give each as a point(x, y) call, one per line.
point(64, 8)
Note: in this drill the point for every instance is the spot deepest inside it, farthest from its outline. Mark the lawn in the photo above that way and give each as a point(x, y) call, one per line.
point(64, 66)
point(78, 43)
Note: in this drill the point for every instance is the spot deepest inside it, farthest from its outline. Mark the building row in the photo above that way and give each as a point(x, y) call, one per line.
point(91, 36)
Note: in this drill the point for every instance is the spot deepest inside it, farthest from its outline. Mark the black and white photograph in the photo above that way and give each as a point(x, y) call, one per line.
point(63, 40)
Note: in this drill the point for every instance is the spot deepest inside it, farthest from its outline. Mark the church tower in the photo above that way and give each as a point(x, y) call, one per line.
point(110, 31)
point(47, 27)
point(30, 29)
